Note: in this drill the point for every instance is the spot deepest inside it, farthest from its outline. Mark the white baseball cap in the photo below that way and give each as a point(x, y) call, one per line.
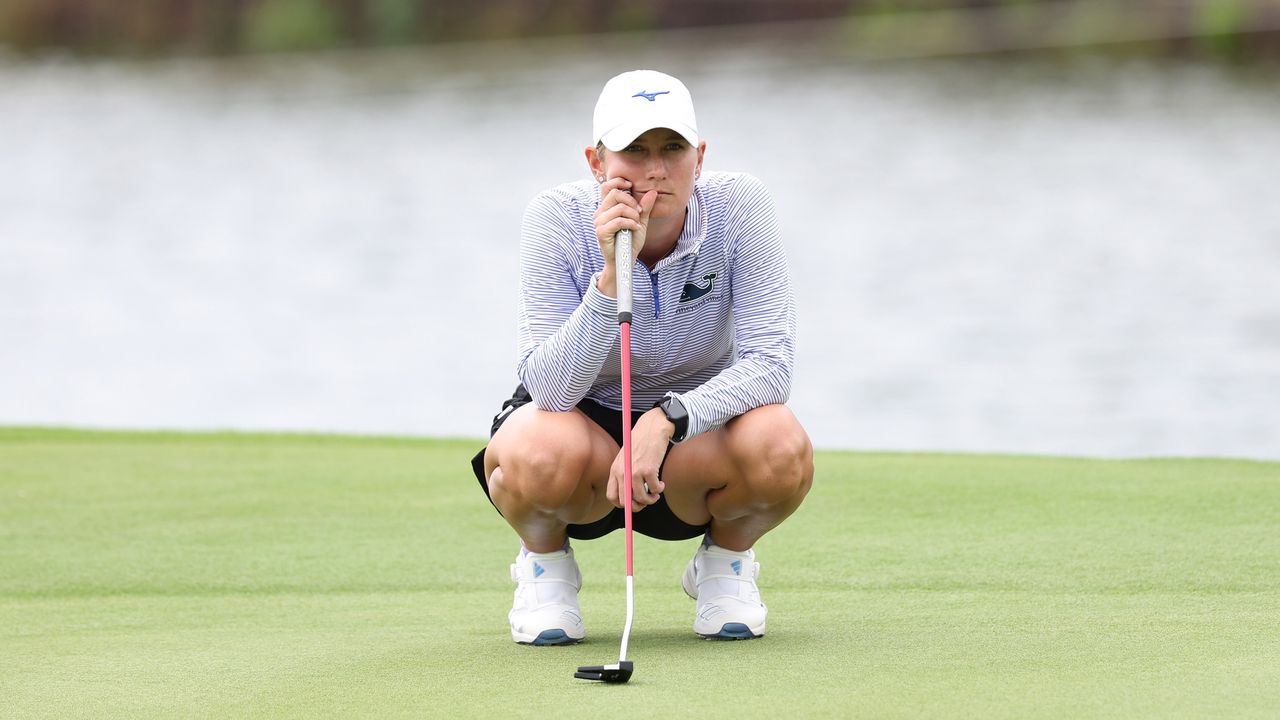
point(638, 101)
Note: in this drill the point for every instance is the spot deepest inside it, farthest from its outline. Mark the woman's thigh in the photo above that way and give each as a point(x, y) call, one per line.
point(538, 436)
point(737, 454)
point(561, 458)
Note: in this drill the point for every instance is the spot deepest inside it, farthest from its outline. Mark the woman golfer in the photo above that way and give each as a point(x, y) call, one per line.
point(715, 451)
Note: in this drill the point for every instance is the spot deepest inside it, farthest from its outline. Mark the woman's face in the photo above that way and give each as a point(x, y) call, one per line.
point(661, 160)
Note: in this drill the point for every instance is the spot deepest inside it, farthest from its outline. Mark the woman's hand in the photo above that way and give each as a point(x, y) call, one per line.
point(620, 210)
point(649, 440)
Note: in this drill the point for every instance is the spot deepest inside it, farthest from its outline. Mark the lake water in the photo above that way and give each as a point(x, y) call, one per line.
point(1047, 256)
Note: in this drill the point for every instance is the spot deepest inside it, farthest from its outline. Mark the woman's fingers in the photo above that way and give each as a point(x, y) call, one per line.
point(619, 211)
point(615, 483)
point(646, 488)
point(646, 205)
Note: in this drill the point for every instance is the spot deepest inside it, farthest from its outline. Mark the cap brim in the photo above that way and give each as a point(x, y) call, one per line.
point(623, 135)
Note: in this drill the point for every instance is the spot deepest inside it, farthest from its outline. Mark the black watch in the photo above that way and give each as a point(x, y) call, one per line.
point(675, 412)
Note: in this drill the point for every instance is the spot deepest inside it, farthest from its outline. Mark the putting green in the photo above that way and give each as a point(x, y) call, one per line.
point(231, 575)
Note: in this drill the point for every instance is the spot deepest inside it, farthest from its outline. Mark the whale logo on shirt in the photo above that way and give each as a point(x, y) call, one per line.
point(651, 96)
point(693, 291)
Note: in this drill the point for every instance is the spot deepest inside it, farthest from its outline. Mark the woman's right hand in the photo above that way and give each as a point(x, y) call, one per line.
point(620, 210)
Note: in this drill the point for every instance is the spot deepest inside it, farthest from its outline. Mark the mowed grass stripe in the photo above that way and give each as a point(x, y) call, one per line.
point(240, 575)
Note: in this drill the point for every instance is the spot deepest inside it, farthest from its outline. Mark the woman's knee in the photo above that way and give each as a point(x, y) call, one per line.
point(775, 453)
point(539, 458)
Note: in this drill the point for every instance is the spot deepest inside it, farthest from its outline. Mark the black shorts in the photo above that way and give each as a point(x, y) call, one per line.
point(656, 521)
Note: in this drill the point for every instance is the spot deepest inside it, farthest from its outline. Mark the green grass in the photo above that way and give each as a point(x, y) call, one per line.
point(240, 576)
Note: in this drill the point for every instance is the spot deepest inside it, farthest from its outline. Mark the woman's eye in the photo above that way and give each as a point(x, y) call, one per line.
point(675, 147)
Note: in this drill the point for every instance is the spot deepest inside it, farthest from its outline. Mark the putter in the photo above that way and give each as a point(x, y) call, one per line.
point(620, 671)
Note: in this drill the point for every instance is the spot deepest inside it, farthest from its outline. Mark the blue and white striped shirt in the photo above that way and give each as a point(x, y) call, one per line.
point(714, 322)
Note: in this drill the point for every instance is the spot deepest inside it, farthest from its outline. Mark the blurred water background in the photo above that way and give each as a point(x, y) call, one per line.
point(1061, 252)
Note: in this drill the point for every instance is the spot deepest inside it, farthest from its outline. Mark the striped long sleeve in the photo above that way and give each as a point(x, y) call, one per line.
point(567, 326)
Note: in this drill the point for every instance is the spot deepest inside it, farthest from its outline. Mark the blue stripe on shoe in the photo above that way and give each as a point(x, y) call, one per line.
point(553, 637)
point(732, 631)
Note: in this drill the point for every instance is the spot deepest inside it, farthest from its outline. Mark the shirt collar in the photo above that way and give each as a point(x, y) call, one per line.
point(695, 224)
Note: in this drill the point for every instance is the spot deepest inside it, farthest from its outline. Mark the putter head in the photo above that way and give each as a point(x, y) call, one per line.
point(618, 672)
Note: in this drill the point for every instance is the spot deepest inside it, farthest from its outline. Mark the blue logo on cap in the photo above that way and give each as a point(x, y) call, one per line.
point(651, 96)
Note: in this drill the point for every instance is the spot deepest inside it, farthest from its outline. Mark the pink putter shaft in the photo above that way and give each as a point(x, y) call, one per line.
point(626, 437)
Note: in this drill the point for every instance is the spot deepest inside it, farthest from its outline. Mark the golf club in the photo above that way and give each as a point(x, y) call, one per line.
point(620, 671)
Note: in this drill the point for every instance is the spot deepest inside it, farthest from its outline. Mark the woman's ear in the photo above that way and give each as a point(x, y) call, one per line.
point(594, 163)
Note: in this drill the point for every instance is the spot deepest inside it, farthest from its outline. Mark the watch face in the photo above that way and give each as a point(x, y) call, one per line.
point(675, 412)
point(672, 408)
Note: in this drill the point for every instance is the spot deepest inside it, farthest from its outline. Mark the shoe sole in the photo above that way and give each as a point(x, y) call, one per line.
point(550, 637)
point(734, 631)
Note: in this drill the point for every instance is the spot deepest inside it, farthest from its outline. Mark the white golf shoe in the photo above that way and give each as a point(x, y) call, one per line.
point(724, 584)
point(545, 610)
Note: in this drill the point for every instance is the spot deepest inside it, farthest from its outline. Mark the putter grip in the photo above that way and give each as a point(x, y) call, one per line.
point(623, 264)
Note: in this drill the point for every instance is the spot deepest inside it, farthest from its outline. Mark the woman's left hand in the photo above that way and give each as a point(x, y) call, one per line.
point(649, 440)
